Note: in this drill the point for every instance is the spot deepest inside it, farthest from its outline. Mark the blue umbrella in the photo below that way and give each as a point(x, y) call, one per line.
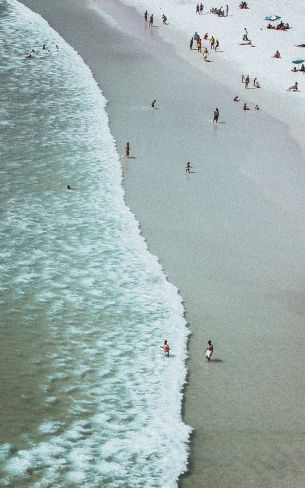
point(298, 61)
point(272, 17)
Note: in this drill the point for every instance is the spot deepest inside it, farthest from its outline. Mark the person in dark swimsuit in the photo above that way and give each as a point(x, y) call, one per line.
point(127, 150)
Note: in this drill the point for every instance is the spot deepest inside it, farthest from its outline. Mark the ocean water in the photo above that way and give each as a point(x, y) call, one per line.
point(87, 397)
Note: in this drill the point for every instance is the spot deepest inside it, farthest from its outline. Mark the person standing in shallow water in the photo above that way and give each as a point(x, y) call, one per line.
point(166, 348)
point(216, 115)
point(188, 167)
point(209, 350)
point(127, 150)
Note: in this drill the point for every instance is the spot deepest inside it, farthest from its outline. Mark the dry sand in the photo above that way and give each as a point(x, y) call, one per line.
point(230, 235)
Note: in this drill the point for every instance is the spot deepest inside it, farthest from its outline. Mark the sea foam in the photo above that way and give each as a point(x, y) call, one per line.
point(78, 270)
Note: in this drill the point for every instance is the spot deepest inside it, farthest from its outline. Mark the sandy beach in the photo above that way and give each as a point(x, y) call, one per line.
point(230, 236)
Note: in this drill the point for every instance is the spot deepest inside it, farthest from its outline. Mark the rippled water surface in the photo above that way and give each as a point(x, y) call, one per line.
point(86, 391)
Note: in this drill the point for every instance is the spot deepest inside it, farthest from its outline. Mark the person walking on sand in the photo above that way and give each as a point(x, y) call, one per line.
point(209, 350)
point(191, 43)
point(151, 20)
point(212, 42)
point(153, 103)
point(216, 115)
point(127, 150)
point(197, 9)
point(254, 81)
point(201, 9)
point(247, 81)
point(166, 348)
point(188, 167)
point(199, 45)
point(146, 15)
point(216, 44)
point(227, 10)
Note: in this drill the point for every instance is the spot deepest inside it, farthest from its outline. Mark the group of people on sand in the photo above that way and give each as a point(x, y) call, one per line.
point(245, 106)
point(208, 351)
point(214, 44)
point(220, 11)
point(150, 18)
point(246, 81)
point(280, 26)
point(199, 9)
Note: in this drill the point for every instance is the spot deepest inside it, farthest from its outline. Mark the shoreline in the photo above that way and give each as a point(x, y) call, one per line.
point(185, 225)
point(226, 67)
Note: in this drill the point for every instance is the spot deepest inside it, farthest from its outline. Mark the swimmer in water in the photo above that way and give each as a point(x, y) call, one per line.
point(69, 187)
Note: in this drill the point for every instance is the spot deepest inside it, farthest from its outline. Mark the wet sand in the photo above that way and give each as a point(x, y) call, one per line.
point(230, 236)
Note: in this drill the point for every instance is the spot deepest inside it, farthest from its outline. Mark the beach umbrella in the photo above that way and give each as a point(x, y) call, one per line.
point(298, 61)
point(272, 17)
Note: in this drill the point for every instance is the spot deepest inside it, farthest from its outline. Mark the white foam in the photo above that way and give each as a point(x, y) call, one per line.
point(97, 290)
point(49, 427)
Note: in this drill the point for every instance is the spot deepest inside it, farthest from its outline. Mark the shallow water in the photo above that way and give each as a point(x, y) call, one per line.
point(84, 306)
